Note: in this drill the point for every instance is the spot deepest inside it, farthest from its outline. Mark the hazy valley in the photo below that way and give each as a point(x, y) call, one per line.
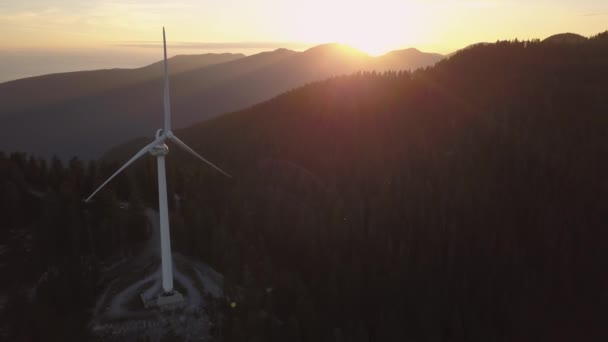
point(71, 113)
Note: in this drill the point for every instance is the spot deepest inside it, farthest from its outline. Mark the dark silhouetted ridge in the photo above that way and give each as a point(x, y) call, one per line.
point(565, 38)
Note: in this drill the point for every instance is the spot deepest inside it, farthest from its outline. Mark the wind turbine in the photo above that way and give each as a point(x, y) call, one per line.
point(158, 149)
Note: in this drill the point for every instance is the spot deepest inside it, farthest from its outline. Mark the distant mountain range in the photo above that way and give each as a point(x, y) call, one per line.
point(85, 113)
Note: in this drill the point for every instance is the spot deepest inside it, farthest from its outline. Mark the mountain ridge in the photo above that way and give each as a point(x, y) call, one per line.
point(568, 37)
point(14, 94)
point(79, 124)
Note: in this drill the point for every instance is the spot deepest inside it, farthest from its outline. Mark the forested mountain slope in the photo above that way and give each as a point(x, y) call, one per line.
point(462, 202)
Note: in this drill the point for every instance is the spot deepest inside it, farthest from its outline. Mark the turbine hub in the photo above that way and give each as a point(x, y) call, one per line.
point(159, 150)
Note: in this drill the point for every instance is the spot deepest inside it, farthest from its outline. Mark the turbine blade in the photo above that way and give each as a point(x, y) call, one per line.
point(166, 104)
point(134, 158)
point(191, 151)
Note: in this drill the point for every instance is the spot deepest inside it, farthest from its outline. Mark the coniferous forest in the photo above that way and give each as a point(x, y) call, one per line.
point(461, 202)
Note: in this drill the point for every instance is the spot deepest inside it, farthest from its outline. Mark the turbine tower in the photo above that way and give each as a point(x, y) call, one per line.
point(159, 149)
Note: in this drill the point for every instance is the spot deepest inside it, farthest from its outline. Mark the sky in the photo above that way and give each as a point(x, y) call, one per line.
point(76, 33)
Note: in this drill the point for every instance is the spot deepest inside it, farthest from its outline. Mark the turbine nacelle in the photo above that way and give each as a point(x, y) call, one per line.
point(163, 133)
point(160, 150)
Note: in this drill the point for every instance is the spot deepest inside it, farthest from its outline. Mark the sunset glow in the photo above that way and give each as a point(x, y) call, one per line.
point(374, 27)
point(389, 25)
point(126, 29)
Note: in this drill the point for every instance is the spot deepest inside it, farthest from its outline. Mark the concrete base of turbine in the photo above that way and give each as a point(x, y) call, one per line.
point(164, 301)
point(122, 314)
point(128, 307)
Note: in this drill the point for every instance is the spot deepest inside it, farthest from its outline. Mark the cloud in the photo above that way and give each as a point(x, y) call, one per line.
point(594, 14)
point(218, 45)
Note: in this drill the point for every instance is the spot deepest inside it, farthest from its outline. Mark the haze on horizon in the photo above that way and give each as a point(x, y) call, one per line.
point(67, 35)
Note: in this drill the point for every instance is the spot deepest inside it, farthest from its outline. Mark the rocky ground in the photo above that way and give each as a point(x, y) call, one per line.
point(120, 314)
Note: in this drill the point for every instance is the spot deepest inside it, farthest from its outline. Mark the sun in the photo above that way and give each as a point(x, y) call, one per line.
point(373, 46)
point(373, 27)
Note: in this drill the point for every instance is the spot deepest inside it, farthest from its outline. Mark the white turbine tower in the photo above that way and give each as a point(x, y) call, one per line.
point(158, 149)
